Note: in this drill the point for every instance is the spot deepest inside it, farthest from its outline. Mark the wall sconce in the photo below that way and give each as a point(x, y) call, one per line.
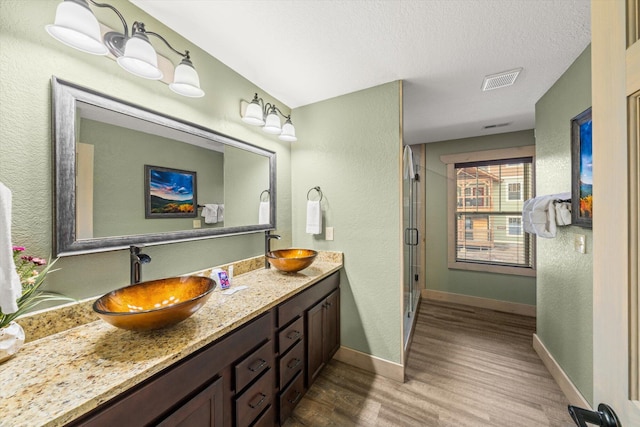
point(258, 113)
point(76, 26)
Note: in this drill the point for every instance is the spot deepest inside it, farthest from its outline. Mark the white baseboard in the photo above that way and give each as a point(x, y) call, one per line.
point(370, 363)
point(505, 306)
point(566, 385)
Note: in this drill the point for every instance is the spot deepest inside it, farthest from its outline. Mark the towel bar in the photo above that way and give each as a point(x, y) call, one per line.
point(318, 190)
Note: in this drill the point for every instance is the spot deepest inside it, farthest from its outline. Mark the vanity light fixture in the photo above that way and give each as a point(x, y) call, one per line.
point(258, 113)
point(76, 26)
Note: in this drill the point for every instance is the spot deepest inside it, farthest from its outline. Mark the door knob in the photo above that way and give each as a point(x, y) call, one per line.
point(604, 416)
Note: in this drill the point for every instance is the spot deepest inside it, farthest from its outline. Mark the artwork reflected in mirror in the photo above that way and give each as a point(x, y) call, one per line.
point(582, 170)
point(127, 175)
point(169, 193)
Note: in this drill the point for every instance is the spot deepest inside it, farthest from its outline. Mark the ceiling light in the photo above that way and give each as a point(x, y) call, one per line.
point(258, 113)
point(76, 26)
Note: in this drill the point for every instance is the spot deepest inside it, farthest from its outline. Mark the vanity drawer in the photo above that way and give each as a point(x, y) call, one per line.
point(267, 419)
point(291, 363)
point(253, 365)
point(290, 335)
point(255, 399)
point(290, 397)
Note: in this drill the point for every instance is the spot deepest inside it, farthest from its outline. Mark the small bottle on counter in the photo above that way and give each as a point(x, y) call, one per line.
point(219, 276)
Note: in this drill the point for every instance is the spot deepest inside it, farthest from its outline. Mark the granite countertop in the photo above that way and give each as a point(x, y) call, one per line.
point(62, 376)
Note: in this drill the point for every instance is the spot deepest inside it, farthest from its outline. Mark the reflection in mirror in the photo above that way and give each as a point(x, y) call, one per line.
point(127, 175)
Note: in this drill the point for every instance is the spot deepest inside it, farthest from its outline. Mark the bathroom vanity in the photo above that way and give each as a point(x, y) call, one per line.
point(243, 359)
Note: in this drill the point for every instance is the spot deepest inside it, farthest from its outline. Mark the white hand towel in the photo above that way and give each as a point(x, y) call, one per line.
point(220, 213)
point(563, 209)
point(563, 213)
point(314, 217)
point(264, 213)
point(407, 159)
point(210, 213)
point(10, 286)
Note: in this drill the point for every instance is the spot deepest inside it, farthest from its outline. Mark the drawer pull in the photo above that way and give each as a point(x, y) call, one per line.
point(294, 363)
point(295, 400)
point(260, 365)
point(293, 335)
point(260, 402)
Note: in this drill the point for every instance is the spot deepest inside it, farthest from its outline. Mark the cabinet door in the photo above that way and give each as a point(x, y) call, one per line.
point(315, 354)
point(204, 410)
point(331, 333)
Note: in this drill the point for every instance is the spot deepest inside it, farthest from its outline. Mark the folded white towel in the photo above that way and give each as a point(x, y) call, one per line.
point(220, 213)
point(314, 217)
point(264, 213)
point(407, 159)
point(540, 215)
point(10, 286)
point(210, 213)
point(563, 213)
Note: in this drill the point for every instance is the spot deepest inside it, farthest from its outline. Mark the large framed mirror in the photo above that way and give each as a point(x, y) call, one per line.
point(127, 175)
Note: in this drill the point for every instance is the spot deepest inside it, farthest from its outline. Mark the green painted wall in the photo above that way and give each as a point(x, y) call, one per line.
point(518, 289)
point(565, 277)
point(29, 58)
point(120, 157)
point(350, 147)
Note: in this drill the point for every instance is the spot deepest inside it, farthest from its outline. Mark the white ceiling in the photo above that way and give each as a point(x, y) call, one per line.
point(305, 51)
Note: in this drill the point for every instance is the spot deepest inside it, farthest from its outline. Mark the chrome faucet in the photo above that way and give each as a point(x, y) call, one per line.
point(136, 260)
point(267, 246)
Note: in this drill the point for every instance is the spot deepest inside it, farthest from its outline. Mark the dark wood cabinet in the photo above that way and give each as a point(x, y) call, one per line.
point(323, 334)
point(253, 376)
point(205, 409)
point(181, 390)
point(308, 337)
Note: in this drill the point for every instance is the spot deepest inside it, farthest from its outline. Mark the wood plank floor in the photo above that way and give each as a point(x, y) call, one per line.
point(467, 367)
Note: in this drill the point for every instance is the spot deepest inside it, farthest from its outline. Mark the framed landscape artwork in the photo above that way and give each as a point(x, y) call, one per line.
point(581, 170)
point(169, 193)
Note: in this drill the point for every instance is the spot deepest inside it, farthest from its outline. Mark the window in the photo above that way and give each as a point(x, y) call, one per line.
point(486, 193)
point(514, 191)
point(515, 226)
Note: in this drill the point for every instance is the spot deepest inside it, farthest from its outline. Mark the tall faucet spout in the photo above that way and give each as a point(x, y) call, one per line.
point(267, 246)
point(136, 259)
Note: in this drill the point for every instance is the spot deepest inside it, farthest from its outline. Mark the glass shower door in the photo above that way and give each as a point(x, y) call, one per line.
point(411, 252)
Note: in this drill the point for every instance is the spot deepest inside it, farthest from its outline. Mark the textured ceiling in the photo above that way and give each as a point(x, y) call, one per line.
point(305, 51)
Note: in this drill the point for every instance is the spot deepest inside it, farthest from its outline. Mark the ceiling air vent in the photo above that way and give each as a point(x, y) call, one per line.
point(504, 79)
point(499, 125)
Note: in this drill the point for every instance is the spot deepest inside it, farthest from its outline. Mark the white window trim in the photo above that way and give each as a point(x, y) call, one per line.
point(452, 198)
point(508, 183)
point(509, 227)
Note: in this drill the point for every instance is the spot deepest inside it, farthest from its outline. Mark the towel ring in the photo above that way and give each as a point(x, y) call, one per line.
point(318, 190)
point(268, 196)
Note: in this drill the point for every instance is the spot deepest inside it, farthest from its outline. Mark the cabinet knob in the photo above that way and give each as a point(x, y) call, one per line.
point(295, 399)
point(258, 365)
point(294, 363)
point(260, 402)
point(293, 335)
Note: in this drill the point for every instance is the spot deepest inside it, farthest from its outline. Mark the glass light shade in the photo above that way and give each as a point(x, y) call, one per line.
point(140, 58)
point(253, 114)
point(272, 123)
point(186, 81)
point(288, 132)
point(76, 26)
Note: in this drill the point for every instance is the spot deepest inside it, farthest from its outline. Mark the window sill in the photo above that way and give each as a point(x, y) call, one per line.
point(488, 268)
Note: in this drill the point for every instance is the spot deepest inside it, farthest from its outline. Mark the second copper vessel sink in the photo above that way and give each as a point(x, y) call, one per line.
point(291, 260)
point(154, 304)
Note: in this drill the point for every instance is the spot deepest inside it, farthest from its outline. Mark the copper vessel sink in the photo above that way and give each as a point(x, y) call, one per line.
point(291, 260)
point(154, 304)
